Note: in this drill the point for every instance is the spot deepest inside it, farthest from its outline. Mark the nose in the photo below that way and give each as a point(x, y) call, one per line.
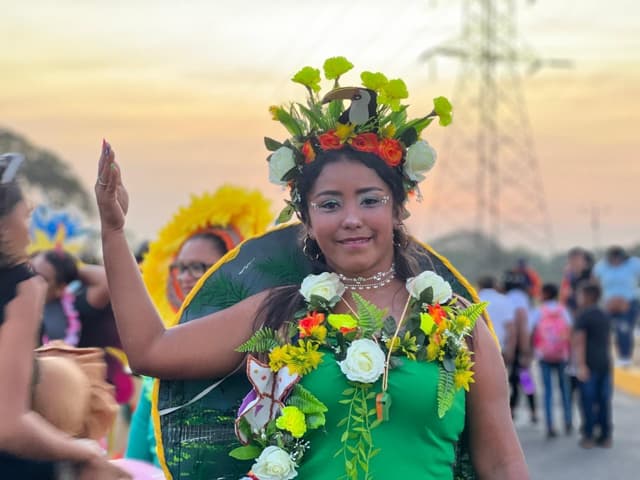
point(352, 218)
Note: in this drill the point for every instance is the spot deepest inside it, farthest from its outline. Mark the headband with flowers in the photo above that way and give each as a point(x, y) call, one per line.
point(375, 122)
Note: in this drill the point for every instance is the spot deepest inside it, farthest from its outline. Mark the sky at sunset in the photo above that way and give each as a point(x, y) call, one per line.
point(182, 90)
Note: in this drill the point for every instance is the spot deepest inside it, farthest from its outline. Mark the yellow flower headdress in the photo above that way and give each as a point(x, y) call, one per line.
point(232, 213)
point(375, 122)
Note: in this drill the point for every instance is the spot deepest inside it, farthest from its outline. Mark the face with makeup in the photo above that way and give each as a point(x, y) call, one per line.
point(351, 217)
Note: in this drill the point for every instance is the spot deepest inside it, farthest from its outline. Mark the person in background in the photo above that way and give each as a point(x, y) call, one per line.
point(533, 282)
point(578, 269)
point(551, 325)
point(502, 313)
point(619, 277)
point(520, 378)
point(196, 237)
point(30, 446)
point(592, 351)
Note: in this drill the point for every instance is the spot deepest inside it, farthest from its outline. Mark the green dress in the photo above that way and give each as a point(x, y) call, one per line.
point(414, 443)
point(195, 441)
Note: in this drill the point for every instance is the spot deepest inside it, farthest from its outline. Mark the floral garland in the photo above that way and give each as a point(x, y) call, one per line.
point(275, 416)
point(74, 327)
point(376, 122)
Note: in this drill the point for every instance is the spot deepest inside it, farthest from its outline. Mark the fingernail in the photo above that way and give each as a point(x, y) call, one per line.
point(107, 149)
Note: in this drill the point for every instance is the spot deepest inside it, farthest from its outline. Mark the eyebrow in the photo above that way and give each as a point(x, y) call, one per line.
point(358, 192)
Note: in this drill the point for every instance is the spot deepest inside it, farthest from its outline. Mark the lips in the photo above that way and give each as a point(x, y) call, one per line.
point(354, 241)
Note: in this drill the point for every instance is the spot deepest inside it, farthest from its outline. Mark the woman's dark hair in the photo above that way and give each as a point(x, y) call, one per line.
point(283, 302)
point(10, 196)
point(591, 291)
point(616, 253)
point(216, 242)
point(64, 264)
point(549, 291)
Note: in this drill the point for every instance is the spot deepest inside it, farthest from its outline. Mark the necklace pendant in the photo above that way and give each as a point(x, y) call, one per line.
point(383, 404)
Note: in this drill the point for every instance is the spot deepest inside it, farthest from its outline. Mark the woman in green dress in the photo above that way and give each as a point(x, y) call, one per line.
point(332, 396)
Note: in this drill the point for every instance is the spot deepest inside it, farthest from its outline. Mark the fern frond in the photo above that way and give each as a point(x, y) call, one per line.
point(264, 340)
point(474, 311)
point(220, 291)
point(370, 317)
point(446, 391)
point(288, 269)
point(306, 401)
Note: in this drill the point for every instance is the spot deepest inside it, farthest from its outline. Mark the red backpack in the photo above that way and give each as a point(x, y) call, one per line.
point(552, 336)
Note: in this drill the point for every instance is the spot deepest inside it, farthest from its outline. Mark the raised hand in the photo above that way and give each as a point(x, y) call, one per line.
point(112, 197)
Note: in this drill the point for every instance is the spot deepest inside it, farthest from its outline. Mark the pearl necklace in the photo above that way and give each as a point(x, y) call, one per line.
point(377, 280)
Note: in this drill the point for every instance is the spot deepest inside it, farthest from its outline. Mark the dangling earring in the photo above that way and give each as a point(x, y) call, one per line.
point(310, 248)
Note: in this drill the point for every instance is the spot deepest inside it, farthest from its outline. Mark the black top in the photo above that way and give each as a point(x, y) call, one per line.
point(10, 277)
point(10, 466)
point(597, 326)
point(98, 324)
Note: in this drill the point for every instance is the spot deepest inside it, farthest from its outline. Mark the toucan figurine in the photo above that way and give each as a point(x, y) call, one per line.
point(363, 104)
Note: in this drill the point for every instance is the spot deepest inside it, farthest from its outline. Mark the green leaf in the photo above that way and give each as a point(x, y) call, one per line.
point(247, 452)
point(264, 340)
point(315, 420)
point(222, 291)
point(286, 268)
point(293, 125)
point(426, 296)
point(316, 117)
point(370, 317)
point(408, 137)
point(271, 144)
point(286, 214)
point(336, 107)
point(306, 401)
point(446, 391)
point(474, 311)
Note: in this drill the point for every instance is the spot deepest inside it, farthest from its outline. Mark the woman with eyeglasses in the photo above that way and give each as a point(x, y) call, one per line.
point(190, 244)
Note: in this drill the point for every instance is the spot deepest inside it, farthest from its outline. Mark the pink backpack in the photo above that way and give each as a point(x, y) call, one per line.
point(551, 339)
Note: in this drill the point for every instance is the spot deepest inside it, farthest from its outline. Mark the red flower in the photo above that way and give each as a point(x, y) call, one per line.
point(390, 150)
point(330, 141)
point(308, 152)
point(437, 313)
point(345, 330)
point(366, 142)
point(308, 323)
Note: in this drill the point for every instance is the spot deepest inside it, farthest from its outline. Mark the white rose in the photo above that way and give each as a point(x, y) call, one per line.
point(441, 288)
point(281, 161)
point(326, 285)
point(420, 159)
point(274, 464)
point(364, 362)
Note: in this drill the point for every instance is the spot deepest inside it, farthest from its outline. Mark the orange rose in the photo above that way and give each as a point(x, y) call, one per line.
point(390, 150)
point(366, 142)
point(308, 152)
point(330, 141)
point(308, 323)
point(437, 313)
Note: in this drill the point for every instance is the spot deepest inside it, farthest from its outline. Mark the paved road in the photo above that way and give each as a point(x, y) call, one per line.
point(562, 459)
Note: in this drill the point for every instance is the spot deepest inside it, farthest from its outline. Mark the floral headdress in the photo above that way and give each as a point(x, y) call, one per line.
point(375, 122)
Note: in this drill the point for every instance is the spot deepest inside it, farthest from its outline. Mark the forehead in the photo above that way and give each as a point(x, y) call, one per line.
point(347, 176)
point(198, 250)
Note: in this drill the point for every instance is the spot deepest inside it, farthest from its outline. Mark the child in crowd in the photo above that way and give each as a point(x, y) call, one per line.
point(592, 347)
point(552, 341)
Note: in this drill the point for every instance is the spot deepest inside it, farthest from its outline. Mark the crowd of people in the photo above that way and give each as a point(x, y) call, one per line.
point(335, 346)
point(568, 329)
